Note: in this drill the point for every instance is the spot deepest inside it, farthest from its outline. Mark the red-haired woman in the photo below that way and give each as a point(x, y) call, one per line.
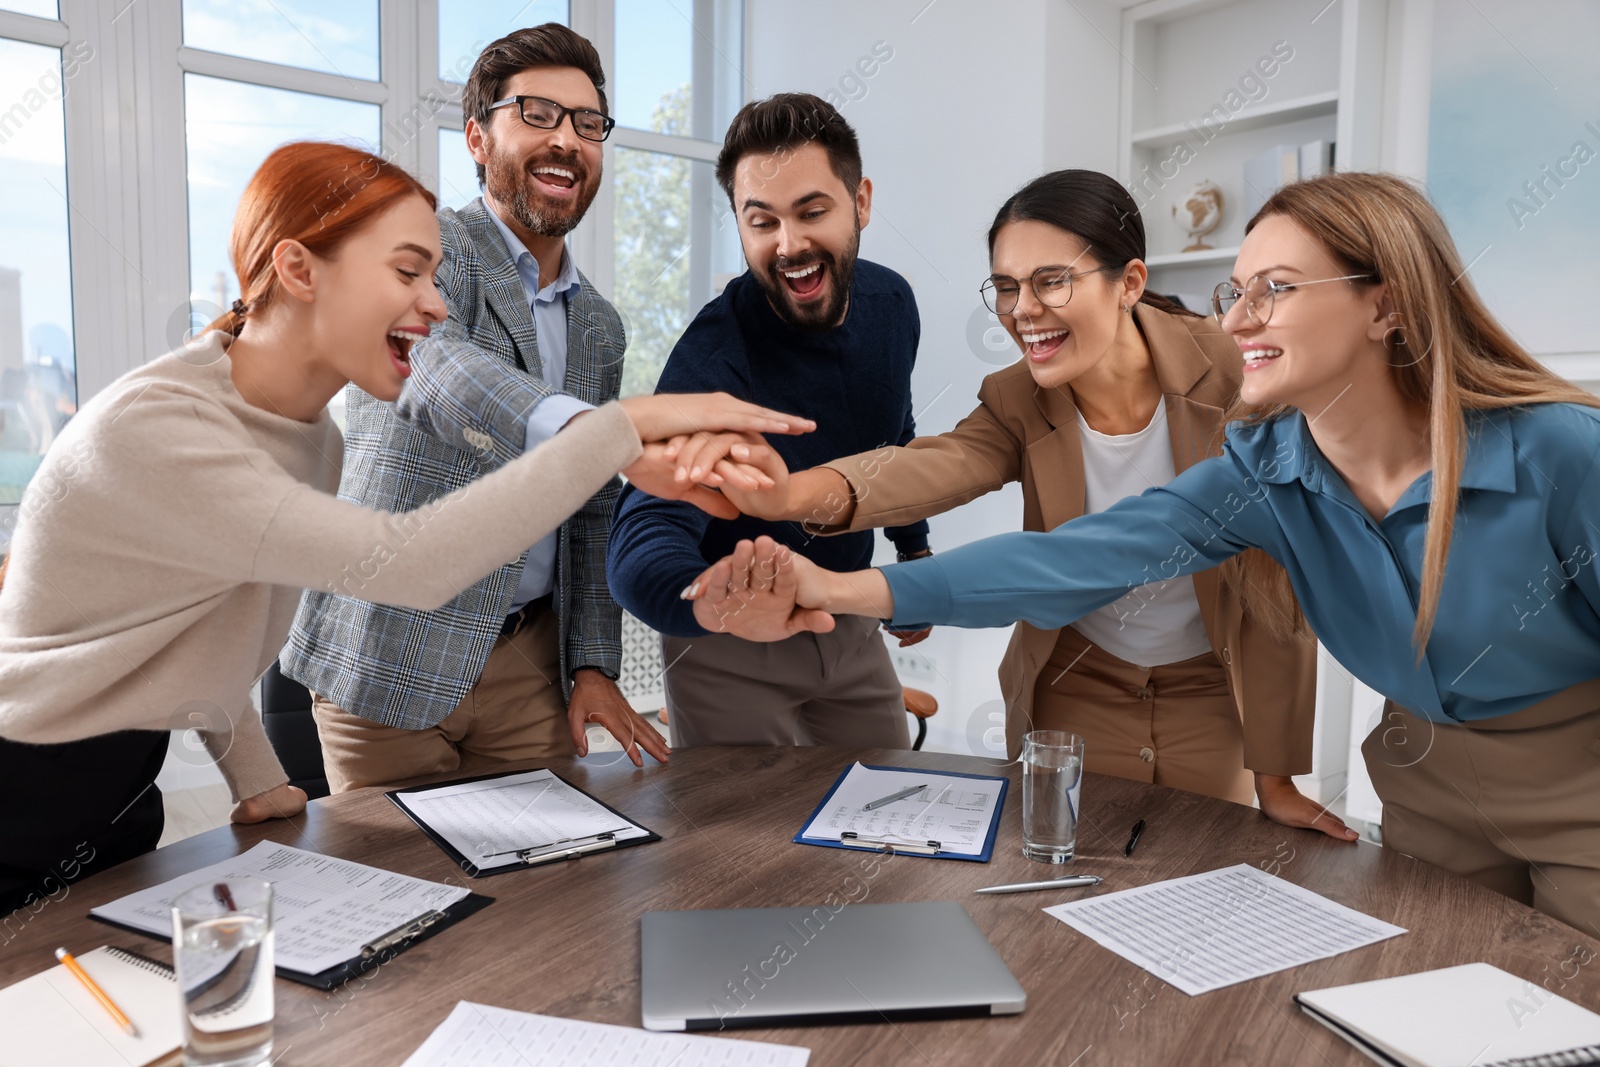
point(164, 542)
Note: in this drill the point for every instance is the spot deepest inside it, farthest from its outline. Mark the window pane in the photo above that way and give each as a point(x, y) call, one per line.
point(230, 128)
point(458, 176)
point(674, 250)
point(334, 36)
point(662, 56)
point(38, 372)
point(45, 9)
point(466, 26)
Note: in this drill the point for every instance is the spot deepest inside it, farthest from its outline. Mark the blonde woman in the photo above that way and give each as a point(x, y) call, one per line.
point(1431, 492)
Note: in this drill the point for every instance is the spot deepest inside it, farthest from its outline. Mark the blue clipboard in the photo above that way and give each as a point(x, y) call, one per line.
point(909, 848)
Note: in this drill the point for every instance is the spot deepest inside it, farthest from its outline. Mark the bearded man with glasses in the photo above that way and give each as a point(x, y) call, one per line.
point(519, 663)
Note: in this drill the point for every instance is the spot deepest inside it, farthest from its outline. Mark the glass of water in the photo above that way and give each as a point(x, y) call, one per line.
point(1052, 785)
point(222, 947)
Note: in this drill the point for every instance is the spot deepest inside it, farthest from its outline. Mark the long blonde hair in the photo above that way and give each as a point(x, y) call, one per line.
point(1448, 354)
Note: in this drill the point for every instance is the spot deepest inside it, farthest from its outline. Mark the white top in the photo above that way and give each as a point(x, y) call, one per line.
point(1157, 623)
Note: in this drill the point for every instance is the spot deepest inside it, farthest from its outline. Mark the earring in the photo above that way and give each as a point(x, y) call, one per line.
point(1124, 306)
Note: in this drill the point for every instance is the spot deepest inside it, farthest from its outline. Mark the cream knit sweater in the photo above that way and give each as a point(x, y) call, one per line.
point(164, 542)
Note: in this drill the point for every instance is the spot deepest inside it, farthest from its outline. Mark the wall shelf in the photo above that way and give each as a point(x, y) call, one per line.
point(1192, 259)
point(1303, 107)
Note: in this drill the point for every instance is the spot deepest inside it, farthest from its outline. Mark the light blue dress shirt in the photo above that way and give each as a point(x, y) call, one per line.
point(1519, 612)
point(549, 306)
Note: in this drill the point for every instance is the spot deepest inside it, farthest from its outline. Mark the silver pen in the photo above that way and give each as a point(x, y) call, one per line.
point(892, 797)
point(1055, 883)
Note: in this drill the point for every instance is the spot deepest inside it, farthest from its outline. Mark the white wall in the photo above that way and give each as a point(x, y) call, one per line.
point(977, 99)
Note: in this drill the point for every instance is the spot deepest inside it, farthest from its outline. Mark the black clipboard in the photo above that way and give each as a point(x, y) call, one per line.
point(576, 850)
point(373, 955)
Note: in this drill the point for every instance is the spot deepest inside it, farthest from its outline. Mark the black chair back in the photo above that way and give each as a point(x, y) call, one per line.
point(286, 714)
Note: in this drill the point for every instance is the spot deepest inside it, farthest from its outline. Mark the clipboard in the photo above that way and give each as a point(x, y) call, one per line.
point(539, 853)
point(930, 849)
point(374, 954)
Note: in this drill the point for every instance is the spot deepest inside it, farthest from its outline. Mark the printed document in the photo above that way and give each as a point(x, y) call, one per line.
point(1226, 926)
point(324, 909)
point(954, 811)
point(476, 1034)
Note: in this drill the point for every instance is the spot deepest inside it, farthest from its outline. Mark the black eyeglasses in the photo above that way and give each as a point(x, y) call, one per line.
point(1260, 295)
point(1052, 285)
point(544, 114)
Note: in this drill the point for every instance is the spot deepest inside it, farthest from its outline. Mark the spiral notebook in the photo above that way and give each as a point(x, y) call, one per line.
point(51, 1020)
point(1475, 1015)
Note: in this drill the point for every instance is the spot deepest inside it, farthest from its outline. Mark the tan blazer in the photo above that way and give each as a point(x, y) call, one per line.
point(1022, 432)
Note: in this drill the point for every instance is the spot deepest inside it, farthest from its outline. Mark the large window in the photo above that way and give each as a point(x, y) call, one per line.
point(38, 369)
point(109, 205)
point(230, 127)
point(679, 79)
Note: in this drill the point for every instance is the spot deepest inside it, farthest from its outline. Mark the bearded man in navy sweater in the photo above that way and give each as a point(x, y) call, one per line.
point(809, 329)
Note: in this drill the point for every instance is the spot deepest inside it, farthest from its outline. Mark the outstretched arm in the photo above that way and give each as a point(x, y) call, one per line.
point(1053, 579)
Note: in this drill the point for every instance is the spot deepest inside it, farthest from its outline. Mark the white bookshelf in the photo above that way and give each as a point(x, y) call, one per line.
point(1178, 125)
point(1183, 57)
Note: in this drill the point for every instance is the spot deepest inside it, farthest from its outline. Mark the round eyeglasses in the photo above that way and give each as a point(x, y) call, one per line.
point(1051, 285)
point(544, 114)
point(1260, 295)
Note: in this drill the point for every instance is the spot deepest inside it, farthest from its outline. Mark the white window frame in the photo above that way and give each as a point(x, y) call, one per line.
point(128, 214)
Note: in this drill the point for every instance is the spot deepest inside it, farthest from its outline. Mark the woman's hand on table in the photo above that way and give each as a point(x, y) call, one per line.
point(1283, 803)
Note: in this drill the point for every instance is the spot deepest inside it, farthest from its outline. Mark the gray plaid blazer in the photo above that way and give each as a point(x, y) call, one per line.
point(466, 417)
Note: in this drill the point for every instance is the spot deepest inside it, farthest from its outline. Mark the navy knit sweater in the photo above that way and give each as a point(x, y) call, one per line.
point(855, 381)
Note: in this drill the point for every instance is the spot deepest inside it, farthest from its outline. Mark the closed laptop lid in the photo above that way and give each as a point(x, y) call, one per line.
point(707, 970)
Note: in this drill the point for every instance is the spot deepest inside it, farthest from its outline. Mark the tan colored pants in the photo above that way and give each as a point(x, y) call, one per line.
point(1511, 803)
point(836, 688)
point(1175, 725)
point(514, 712)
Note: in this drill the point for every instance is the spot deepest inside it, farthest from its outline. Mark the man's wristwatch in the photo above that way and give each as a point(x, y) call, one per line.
point(906, 557)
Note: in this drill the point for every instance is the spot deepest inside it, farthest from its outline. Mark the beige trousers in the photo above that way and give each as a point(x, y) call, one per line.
point(1511, 803)
point(1175, 725)
point(514, 712)
point(836, 688)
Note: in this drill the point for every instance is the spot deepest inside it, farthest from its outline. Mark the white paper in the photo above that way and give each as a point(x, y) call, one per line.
point(956, 812)
point(324, 909)
point(1226, 926)
point(477, 1035)
point(512, 813)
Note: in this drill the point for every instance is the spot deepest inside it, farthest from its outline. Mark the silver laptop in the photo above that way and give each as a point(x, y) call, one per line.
point(709, 970)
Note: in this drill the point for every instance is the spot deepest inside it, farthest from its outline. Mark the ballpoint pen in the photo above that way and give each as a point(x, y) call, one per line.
point(1054, 883)
point(99, 994)
point(1133, 839)
point(892, 797)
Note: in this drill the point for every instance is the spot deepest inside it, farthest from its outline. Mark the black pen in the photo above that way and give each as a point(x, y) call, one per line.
point(1133, 839)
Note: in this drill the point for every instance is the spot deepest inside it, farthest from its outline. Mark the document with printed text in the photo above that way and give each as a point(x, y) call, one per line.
point(493, 821)
point(476, 1035)
point(1222, 927)
point(954, 810)
point(324, 909)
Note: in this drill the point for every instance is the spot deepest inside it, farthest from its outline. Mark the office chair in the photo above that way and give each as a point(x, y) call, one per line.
point(286, 715)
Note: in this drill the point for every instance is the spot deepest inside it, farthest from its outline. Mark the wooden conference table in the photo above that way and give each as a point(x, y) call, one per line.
point(564, 939)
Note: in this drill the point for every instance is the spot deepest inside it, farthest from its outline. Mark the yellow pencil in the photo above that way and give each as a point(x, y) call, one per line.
point(99, 994)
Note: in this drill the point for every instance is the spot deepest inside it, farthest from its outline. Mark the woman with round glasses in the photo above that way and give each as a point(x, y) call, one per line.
point(1430, 490)
point(1118, 389)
